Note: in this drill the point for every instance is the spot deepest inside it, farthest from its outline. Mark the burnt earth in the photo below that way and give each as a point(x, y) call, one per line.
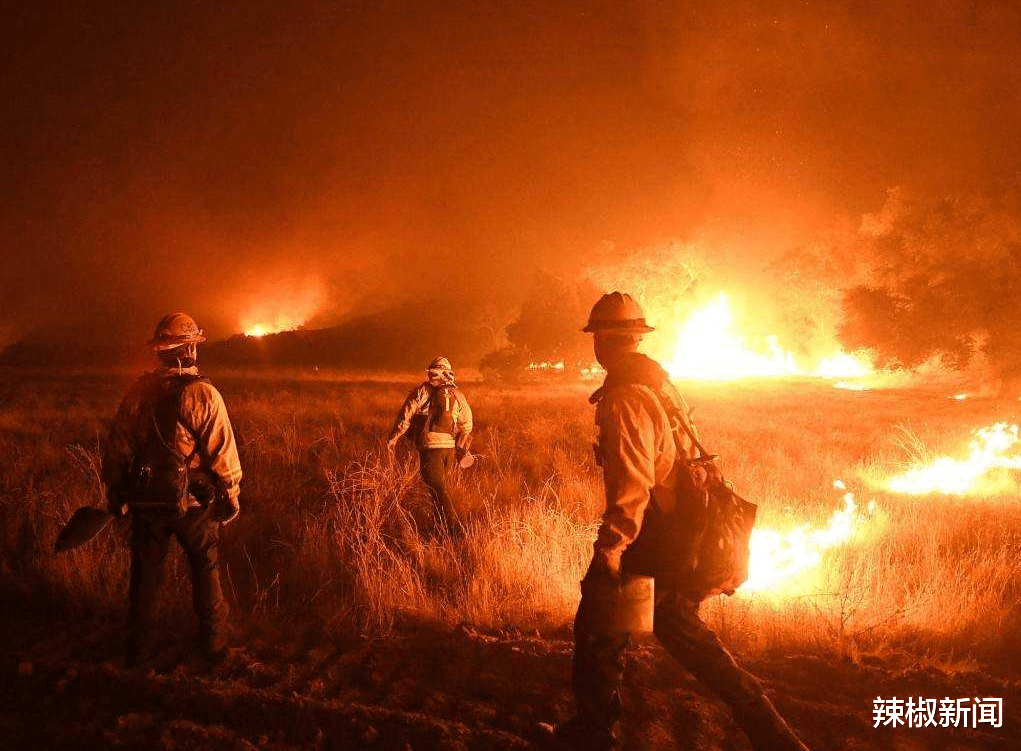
point(429, 688)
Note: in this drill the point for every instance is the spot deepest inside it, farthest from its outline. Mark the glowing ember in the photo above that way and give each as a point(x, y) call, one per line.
point(842, 365)
point(994, 448)
point(708, 348)
point(275, 327)
point(589, 373)
point(779, 558)
point(852, 386)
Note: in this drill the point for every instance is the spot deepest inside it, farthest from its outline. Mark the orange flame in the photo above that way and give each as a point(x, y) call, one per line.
point(274, 327)
point(709, 348)
point(285, 306)
point(781, 559)
point(993, 448)
point(852, 386)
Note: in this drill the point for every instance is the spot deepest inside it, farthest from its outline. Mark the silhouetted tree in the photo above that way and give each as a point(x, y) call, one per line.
point(548, 329)
point(945, 279)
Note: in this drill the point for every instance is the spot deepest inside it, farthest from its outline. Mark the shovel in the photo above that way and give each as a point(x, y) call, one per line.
point(86, 523)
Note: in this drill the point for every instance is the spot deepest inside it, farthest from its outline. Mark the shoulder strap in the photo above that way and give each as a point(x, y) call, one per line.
point(185, 382)
point(173, 392)
point(702, 453)
point(678, 420)
point(643, 371)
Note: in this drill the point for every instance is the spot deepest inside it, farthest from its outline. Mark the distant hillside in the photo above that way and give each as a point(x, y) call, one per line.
point(401, 338)
point(48, 354)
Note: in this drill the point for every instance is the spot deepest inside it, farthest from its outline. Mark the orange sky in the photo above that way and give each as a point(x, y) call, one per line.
point(164, 155)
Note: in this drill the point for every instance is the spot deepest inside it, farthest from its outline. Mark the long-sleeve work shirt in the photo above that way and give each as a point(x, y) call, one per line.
point(417, 404)
point(203, 431)
point(638, 449)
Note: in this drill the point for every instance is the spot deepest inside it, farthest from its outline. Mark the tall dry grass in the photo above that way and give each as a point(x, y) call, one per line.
point(337, 535)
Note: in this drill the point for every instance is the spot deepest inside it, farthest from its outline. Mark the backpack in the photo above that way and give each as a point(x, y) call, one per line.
point(724, 549)
point(158, 476)
point(704, 544)
point(440, 415)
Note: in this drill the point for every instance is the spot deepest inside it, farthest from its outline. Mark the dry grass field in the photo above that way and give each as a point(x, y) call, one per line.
point(358, 625)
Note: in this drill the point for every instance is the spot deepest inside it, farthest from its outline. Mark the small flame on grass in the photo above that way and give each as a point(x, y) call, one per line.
point(852, 386)
point(779, 558)
point(993, 448)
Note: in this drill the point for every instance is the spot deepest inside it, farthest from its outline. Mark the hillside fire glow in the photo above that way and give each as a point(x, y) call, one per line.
point(273, 325)
point(992, 450)
point(781, 558)
point(285, 304)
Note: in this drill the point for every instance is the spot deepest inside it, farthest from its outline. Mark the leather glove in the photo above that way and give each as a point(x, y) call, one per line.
point(603, 566)
point(116, 505)
point(714, 477)
point(227, 510)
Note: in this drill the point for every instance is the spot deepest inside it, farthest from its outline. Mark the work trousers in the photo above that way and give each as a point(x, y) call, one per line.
point(199, 535)
point(436, 465)
point(599, 662)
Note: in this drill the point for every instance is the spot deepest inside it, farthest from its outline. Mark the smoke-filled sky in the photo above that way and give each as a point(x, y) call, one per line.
point(316, 159)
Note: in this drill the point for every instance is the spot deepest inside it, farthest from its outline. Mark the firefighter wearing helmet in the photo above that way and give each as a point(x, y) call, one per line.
point(171, 462)
point(646, 446)
point(436, 416)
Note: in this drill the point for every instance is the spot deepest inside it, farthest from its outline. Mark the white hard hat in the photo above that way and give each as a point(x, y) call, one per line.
point(617, 313)
point(175, 330)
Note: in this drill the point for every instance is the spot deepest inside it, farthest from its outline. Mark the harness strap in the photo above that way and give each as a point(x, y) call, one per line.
point(178, 396)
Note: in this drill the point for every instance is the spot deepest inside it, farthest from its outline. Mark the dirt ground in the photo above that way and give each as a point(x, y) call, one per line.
point(64, 686)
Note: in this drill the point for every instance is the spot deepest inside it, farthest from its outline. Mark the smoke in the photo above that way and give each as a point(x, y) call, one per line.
point(353, 160)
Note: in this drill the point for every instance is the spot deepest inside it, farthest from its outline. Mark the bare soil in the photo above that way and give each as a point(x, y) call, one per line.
point(64, 686)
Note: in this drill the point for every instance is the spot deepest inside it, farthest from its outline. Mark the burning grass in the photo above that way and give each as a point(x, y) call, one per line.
point(336, 535)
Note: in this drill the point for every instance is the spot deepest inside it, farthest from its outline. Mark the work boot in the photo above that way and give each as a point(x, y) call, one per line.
point(139, 651)
point(215, 656)
point(213, 650)
point(213, 635)
point(578, 734)
point(765, 728)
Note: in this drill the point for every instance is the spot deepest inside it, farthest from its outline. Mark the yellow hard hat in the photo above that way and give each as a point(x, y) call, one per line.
point(618, 313)
point(439, 363)
point(175, 330)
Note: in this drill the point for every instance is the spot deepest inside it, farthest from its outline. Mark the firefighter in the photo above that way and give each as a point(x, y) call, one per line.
point(644, 532)
point(171, 462)
point(437, 417)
